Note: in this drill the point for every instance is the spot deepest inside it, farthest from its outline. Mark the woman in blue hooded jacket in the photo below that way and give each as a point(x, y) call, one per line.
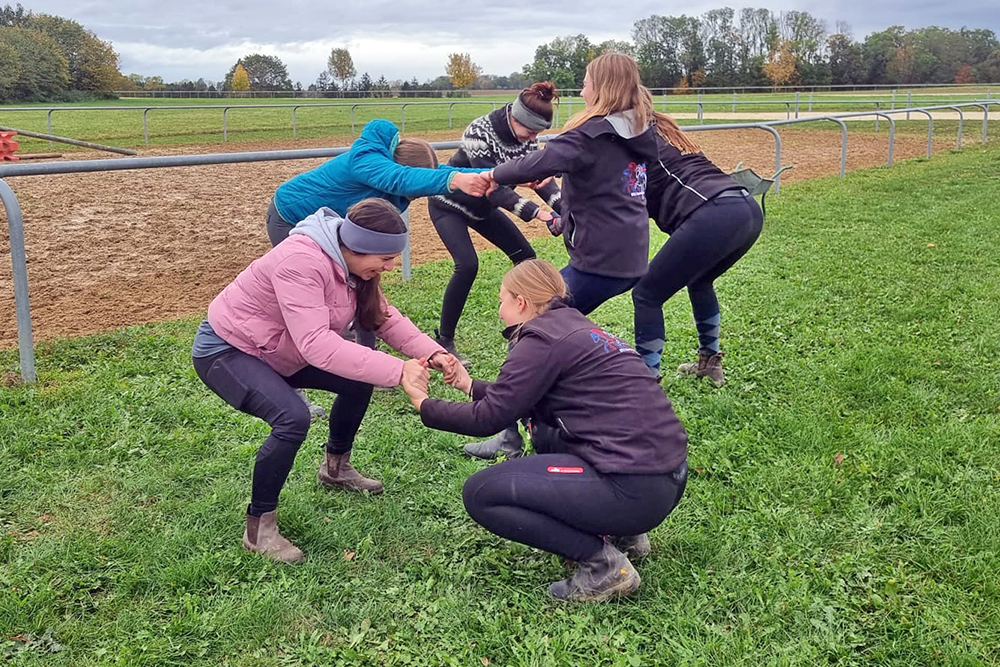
point(379, 164)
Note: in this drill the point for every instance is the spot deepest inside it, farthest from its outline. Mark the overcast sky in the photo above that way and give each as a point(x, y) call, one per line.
point(185, 39)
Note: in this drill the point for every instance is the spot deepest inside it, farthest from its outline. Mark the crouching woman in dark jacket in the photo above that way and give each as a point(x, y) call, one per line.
point(613, 462)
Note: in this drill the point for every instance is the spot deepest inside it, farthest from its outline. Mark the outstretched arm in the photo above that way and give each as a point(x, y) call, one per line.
point(566, 153)
point(522, 383)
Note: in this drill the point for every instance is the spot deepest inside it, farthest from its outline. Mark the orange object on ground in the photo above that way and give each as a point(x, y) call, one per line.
point(8, 146)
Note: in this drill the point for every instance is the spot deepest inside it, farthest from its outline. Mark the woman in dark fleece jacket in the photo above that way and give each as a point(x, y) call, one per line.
point(712, 223)
point(602, 155)
point(612, 455)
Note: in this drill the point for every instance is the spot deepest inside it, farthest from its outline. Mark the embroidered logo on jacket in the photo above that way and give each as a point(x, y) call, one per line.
point(609, 342)
point(634, 180)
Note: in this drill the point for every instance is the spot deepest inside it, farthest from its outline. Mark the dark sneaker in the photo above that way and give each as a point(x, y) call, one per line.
point(316, 412)
point(508, 441)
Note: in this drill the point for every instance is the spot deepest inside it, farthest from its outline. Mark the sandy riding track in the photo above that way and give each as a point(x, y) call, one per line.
point(106, 250)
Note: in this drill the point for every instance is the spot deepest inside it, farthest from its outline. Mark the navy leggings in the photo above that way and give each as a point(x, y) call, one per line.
point(590, 290)
point(251, 386)
point(705, 245)
point(561, 504)
point(453, 228)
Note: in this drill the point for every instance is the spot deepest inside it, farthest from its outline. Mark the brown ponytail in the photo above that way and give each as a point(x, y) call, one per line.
point(671, 132)
point(538, 97)
point(377, 215)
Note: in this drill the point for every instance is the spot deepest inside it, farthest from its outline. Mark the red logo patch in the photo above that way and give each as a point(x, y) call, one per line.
point(564, 470)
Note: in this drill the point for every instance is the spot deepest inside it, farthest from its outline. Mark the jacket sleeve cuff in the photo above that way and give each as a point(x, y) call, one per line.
point(479, 388)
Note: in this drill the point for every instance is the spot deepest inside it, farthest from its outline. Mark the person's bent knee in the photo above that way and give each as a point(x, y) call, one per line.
point(523, 255)
point(293, 425)
point(473, 496)
point(468, 269)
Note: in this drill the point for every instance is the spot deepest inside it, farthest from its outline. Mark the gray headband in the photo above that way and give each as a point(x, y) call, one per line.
point(367, 242)
point(525, 116)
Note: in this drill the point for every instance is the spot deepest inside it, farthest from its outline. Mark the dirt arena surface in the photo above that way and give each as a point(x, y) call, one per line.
point(107, 250)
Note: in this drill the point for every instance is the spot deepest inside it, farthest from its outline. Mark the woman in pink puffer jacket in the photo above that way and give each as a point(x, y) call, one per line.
point(277, 327)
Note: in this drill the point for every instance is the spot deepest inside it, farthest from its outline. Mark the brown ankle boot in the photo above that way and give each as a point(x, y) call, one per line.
point(336, 471)
point(708, 365)
point(606, 574)
point(261, 536)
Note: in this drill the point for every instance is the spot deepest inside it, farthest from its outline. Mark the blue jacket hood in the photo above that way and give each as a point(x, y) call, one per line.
point(379, 136)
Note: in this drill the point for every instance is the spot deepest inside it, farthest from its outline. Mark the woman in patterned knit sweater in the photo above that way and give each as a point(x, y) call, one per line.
point(505, 134)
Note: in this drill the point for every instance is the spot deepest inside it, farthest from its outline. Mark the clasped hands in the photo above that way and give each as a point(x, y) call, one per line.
point(416, 375)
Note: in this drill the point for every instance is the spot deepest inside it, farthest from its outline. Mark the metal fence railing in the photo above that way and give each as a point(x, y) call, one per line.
point(15, 220)
point(792, 108)
point(226, 108)
point(396, 91)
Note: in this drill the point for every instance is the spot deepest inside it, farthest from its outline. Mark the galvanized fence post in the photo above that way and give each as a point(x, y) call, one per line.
point(145, 125)
point(50, 124)
point(225, 128)
point(353, 107)
point(796, 104)
point(777, 157)
point(407, 262)
point(402, 118)
point(734, 101)
point(19, 266)
point(930, 129)
point(961, 119)
point(294, 128)
point(892, 137)
point(843, 146)
point(986, 117)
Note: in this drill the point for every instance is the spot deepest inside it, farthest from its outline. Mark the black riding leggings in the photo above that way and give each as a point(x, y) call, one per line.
point(560, 503)
point(705, 245)
point(251, 386)
point(453, 228)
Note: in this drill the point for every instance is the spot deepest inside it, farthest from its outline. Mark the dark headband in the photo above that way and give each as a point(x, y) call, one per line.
point(525, 116)
point(368, 242)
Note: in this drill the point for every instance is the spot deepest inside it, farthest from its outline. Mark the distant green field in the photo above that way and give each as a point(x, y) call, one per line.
point(248, 120)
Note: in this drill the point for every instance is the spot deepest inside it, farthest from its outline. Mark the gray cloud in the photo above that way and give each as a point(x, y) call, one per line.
point(403, 38)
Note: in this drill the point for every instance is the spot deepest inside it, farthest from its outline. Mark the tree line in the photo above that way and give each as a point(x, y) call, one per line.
point(44, 57)
point(756, 47)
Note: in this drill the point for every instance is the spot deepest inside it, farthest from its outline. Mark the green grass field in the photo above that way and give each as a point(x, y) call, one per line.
point(177, 126)
point(842, 507)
